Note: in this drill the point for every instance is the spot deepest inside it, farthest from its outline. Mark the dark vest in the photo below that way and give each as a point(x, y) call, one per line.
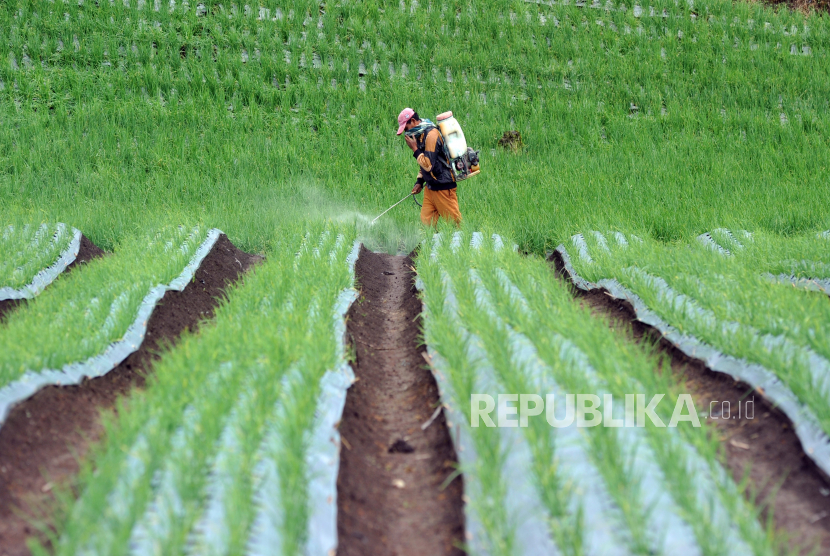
point(441, 177)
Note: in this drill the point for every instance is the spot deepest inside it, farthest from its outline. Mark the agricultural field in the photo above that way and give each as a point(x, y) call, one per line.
point(218, 458)
point(33, 256)
point(744, 301)
point(86, 324)
point(664, 118)
point(198, 357)
point(498, 323)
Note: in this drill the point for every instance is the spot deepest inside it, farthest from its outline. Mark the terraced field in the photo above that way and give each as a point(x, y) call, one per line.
point(622, 350)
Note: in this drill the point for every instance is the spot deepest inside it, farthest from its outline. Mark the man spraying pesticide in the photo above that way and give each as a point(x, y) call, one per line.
point(443, 160)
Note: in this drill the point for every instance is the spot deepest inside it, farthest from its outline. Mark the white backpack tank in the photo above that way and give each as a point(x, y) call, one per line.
point(453, 135)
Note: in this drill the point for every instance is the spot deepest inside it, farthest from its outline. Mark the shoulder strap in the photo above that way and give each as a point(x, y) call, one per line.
point(443, 145)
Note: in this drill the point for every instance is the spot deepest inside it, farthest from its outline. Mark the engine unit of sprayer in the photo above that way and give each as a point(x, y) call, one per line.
point(463, 160)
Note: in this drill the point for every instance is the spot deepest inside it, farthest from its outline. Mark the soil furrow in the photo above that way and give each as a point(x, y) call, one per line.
point(43, 437)
point(763, 445)
point(390, 499)
point(86, 252)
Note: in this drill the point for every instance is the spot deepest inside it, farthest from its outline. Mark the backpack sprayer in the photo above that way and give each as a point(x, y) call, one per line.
point(463, 161)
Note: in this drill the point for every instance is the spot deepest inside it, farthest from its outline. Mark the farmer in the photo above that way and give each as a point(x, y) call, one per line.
point(427, 147)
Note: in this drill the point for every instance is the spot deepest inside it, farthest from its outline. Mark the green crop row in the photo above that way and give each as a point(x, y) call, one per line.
point(337, 155)
point(669, 132)
point(802, 256)
point(612, 56)
point(26, 249)
point(504, 303)
point(212, 454)
point(729, 300)
point(79, 316)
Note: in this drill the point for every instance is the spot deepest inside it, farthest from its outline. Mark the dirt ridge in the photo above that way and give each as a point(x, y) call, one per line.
point(390, 499)
point(765, 446)
point(42, 436)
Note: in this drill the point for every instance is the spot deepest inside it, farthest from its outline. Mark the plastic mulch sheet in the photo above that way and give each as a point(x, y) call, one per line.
point(115, 353)
point(812, 284)
point(323, 456)
point(814, 440)
point(211, 533)
point(520, 498)
point(47, 275)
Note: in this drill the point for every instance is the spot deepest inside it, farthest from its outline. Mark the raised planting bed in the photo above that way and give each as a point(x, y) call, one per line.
point(497, 322)
point(712, 303)
point(90, 322)
point(232, 447)
point(45, 437)
point(32, 257)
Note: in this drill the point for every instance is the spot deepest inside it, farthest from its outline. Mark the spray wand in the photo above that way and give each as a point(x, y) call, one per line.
point(396, 204)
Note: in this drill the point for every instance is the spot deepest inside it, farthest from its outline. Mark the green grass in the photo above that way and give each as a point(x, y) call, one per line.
point(546, 315)
point(239, 144)
point(116, 117)
point(80, 315)
point(730, 303)
point(26, 249)
point(251, 378)
point(485, 484)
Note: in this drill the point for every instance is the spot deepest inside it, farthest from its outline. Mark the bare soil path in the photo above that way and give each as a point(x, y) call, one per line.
point(390, 499)
point(44, 437)
point(764, 445)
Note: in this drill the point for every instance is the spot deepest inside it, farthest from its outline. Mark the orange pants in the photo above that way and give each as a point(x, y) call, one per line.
point(440, 204)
